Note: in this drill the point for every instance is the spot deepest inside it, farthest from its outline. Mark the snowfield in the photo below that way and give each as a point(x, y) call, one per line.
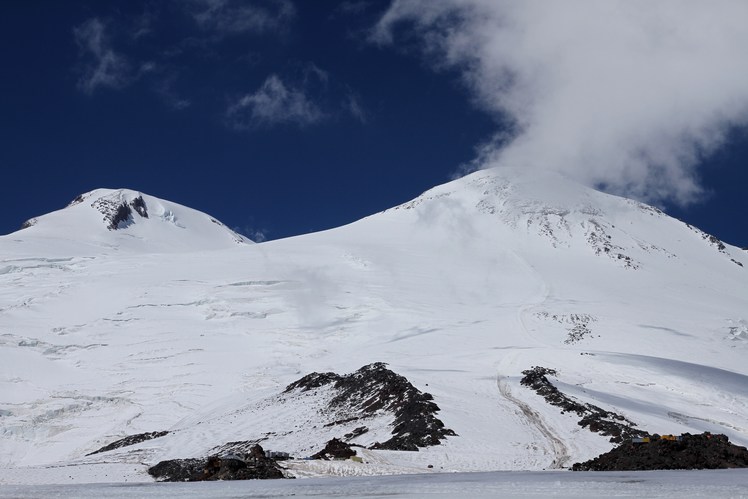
point(172, 322)
point(508, 484)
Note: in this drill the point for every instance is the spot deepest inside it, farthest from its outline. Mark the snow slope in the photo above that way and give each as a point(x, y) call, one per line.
point(106, 333)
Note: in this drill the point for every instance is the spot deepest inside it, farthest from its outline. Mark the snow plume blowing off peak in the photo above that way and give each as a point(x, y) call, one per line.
point(627, 95)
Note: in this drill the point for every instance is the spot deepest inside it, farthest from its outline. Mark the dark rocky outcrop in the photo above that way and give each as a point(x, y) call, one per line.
point(118, 214)
point(312, 381)
point(335, 449)
point(240, 447)
point(356, 432)
point(374, 389)
point(178, 470)
point(251, 466)
point(716, 243)
point(138, 204)
point(596, 419)
point(121, 217)
point(704, 451)
point(130, 440)
point(78, 199)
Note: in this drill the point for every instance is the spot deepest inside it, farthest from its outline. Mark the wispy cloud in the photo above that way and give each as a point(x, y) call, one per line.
point(352, 7)
point(136, 49)
point(313, 73)
point(627, 94)
point(310, 98)
point(274, 103)
point(256, 235)
point(227, 17)
point(165, 89)
point(102, 66)
point(143, 25)
point(352, 105)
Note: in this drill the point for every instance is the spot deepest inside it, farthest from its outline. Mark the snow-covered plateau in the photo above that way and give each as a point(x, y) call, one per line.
point(123, 314)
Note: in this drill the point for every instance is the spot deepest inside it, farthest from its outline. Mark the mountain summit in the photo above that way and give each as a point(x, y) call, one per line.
point(545, 207)
point(129, 220)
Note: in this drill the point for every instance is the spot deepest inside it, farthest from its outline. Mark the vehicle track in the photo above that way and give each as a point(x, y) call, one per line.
point(560, 450)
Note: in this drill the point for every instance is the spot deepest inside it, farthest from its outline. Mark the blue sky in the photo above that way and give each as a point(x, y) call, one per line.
point(282, 117)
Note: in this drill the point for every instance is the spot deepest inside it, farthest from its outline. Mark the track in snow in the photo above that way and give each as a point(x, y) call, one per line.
point(560, 451)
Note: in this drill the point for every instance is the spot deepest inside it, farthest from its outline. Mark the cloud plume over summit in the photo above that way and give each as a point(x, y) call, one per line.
point(630, 95)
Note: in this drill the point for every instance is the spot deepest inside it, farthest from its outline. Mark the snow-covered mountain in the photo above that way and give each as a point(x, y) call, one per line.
point(125, 220)
point(167, 324)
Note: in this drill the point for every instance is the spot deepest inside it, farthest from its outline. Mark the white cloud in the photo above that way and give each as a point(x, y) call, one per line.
point(234, 17)
point(103, 66)
point(274, 103)
point(628, 94)
point(256, 235)
point(309, 99)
